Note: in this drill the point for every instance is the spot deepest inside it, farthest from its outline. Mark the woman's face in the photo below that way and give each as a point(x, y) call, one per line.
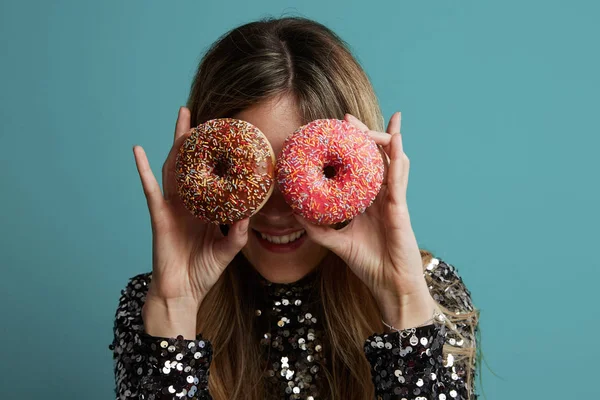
point(275, 224)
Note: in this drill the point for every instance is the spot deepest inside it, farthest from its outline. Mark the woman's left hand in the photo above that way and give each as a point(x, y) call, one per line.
point(379, 245)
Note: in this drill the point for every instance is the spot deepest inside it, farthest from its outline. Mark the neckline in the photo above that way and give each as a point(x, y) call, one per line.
point(302, 288)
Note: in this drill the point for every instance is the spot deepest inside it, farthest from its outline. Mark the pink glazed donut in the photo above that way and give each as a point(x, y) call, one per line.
point(329, 171)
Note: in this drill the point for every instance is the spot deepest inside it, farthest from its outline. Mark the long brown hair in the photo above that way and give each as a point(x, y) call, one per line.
point(247, 65)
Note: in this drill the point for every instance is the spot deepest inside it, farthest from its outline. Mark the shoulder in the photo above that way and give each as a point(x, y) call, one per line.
point(447, 286)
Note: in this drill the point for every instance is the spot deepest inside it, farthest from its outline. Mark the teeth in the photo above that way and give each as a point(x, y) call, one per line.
point(283, 239)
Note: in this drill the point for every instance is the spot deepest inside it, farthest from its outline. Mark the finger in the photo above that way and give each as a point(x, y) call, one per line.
point(394, 124)
point(227, 247)
point(168, 170)
point(323, 235)
point(149, 184)
point(183, 122)
point(379, 202)
point(383, 141)
point(398, 172)
point(393, 127)
point(356, 122)
point(381, 138)
point(386, 163)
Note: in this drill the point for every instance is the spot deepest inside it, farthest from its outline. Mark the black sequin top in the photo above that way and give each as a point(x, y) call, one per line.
point(404, 365)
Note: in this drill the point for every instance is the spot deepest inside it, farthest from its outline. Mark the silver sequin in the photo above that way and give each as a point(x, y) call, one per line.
point(291, 335)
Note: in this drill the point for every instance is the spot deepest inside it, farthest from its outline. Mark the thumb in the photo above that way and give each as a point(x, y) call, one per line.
point(228, 246)
point(323, 235)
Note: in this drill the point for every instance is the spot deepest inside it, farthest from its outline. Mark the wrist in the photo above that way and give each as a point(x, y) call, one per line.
point(169, 318)
point(174, 305)
point(411, 311)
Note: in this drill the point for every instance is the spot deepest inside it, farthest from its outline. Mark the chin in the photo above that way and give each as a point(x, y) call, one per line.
point(281, 263)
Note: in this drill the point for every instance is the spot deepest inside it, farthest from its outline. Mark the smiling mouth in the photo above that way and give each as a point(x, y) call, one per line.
point(284, 239)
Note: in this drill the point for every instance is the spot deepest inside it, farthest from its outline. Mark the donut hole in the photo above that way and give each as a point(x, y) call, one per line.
point(330, 171)
point(222, 166)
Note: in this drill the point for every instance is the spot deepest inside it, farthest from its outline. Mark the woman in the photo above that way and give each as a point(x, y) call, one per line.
point(273, 306)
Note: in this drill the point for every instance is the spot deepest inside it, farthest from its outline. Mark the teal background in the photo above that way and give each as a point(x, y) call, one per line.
point(500, 105)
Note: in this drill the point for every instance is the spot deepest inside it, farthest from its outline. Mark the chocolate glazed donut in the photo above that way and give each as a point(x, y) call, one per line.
point(225, 170)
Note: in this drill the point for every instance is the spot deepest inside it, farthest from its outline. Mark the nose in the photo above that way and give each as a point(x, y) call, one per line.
point(276, 208)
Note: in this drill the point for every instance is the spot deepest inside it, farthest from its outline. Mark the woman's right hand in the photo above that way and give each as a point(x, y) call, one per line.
point(188, 255)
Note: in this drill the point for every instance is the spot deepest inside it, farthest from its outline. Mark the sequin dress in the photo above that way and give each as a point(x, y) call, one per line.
point(404, 365)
